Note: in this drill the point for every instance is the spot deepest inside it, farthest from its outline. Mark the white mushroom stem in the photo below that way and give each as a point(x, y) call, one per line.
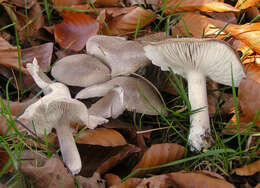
point(68, 148)
point(199, 136)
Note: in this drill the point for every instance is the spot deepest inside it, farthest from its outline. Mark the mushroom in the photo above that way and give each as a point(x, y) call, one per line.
point(111, 105)
point(122, 56)
point(80, 70)
point(196, 59)
point(132, 97)
point(57, 110)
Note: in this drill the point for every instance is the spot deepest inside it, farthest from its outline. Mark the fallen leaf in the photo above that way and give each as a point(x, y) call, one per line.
point(101, 137)
point(202, 5)
point(100, 159)
point(126, 24)
point(248, 170)
point(75, 30)
point(66, 3)
point(3, 160)
point(199, 179)
point(93, 182)
point(43, 54)
point(27, 26)
point(229, 17)
point(108, 3)
point(250, 104)
point(160, 181)
point(244, 4)
point(258, 185)
point(240, 46)
point(247, 33)
point(159, 154)
point(21, 3)
point(113, 181)
point(53, 174)
point(253, 12)
point(9, 56)
point(204, 26)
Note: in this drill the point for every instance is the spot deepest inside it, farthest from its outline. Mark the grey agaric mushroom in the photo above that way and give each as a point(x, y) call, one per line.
point(80, 70)
point(196, 59)
point(122, 56)
point(57, 110)
point(130, 93)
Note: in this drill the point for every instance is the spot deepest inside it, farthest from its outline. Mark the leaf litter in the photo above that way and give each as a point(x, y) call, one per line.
point(117, 147)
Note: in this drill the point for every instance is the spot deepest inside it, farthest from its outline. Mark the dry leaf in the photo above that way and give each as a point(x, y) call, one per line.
point(240, 46)
point(9, 56)
point(247, 33)
point(244, 4)
point(27, 26)
point(248, 170)
point(100, 159)
point(161, 181)
point(250, 103)
point(66, 3)
point(75, 30)
point(93, 182)
point(43, 54)
point(125, 24)
point(198, 180)
point(253, 12)
point(159, 154)
point(53, 174)
point(202, 5)
point(204, 26)
point(258, 185)
point(229, 17)
point(113, 181)
point(34, 158)
point(108, 3)
point(21, 3)
point(101, 137)
point(4, 158)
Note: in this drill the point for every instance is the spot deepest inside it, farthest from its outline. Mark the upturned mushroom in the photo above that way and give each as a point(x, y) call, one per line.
point(130, 93)
point(80, 70)
point(122, 56)
point(196, 59)
point(57, 110)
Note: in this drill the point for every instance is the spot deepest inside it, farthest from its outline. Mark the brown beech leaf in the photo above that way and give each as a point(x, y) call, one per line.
point(27, 26)
point(250, 103)
point(159, 154)
point(109, 3)
point(125, 24)
point(51, 175)
point(101, 137)
point(210, 27)
point(9, 56)
point(248, 170)
point(21, 3)
point(244, 4)
point(113, 181)
point(92, 182)
point(240, 46)
point(75, 30)
point(4, 157)
point(202, 5)
point(247, 33)
point(198, 180)
point(66, 3)
point(100, 159)
point(43, 53)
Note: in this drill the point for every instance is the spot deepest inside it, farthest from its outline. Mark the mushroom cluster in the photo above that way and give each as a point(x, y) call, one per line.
point(57, 110)
point(104, 72)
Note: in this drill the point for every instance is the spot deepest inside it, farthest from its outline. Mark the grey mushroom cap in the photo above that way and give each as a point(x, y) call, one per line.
point(134, 90)
point(122, 56)
point(212, 57)
point(80, 70)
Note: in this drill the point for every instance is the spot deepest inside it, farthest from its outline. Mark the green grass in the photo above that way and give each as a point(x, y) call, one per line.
point(229, 147)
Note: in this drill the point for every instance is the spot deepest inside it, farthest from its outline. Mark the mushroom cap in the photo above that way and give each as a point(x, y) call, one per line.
point(211, 57)
point(122, 56)
point(111, 105)
point(133, 98)
point(80, 70)
point(47, 114)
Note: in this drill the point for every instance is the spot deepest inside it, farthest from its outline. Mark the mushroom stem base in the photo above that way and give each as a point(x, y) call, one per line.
point(199, 136)
point(68, 148)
